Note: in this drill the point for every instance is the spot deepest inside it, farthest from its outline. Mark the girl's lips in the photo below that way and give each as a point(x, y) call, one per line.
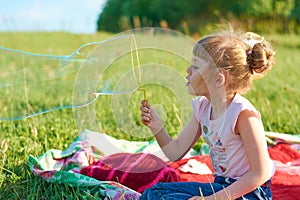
point(187, 83)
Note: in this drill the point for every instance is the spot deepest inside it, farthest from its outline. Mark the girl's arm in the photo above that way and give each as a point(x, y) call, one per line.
point(174, 149)
point(253, 137)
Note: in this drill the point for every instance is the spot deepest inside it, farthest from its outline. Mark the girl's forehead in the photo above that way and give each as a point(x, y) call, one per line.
point(197, 61)
point(203, 65)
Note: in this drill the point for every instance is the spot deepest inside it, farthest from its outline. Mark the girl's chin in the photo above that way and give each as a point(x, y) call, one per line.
point(191, 91)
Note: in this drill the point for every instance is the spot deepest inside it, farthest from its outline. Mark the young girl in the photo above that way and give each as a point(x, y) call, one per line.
point(223, 67)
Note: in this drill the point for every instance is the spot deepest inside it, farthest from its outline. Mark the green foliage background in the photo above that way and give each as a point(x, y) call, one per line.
point(272, 16)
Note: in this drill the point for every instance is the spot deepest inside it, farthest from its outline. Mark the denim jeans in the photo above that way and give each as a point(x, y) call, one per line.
point(186, 190)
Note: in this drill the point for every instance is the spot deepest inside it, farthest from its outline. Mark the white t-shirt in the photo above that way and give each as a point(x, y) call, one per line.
point(227, 151)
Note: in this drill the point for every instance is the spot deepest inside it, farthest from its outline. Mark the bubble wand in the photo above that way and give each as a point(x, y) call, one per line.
point(138, 81)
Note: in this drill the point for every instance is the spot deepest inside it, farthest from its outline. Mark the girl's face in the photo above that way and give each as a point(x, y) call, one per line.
point(197, 77)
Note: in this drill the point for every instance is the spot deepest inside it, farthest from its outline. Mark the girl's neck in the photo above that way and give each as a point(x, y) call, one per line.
point(219, 105)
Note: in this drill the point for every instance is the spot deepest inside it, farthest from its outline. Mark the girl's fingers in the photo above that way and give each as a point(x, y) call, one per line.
point(147, 115)
point(146, 119)
point(145, 109)
point(145, 103)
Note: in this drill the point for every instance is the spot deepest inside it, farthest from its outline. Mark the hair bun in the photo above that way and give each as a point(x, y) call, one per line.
point(261, 58)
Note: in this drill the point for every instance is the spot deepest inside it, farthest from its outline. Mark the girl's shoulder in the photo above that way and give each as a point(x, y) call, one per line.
point(200, 105)
point(241, 103)
point(200, 101)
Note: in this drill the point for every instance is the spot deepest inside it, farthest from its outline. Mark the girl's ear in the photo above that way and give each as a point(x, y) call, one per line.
point(221, 79)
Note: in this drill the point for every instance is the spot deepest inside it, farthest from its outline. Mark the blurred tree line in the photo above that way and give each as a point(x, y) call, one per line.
point(195, 16)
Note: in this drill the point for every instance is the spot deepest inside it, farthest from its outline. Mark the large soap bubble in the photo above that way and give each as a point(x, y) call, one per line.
point(141, 63)
point(148, 59)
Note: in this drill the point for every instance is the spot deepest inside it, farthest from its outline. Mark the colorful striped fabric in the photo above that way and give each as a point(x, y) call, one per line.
point(136, 171)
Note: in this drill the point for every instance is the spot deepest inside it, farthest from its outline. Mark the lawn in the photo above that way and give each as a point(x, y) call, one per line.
point(277, 97)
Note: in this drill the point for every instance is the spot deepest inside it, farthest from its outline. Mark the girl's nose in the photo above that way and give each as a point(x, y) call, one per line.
point(188, 70)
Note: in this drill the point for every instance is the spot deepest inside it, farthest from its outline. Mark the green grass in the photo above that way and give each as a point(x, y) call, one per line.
point(277, 97)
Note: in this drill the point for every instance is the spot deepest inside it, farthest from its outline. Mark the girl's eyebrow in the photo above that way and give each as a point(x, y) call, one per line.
point(195, 61)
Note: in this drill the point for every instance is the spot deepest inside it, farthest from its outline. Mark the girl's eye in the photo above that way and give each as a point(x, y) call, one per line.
point(195, 67)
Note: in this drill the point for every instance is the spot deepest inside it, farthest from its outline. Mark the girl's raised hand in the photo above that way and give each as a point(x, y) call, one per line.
point(146, 113)
point(150, 117)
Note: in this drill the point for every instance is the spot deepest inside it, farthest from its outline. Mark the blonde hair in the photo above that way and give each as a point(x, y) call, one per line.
point(230, 51)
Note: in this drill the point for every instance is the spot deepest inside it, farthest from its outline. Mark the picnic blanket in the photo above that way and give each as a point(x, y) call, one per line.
point(95, 149)
point(285, 183)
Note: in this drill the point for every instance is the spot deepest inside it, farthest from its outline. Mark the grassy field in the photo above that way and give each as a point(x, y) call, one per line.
point(277, 97)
